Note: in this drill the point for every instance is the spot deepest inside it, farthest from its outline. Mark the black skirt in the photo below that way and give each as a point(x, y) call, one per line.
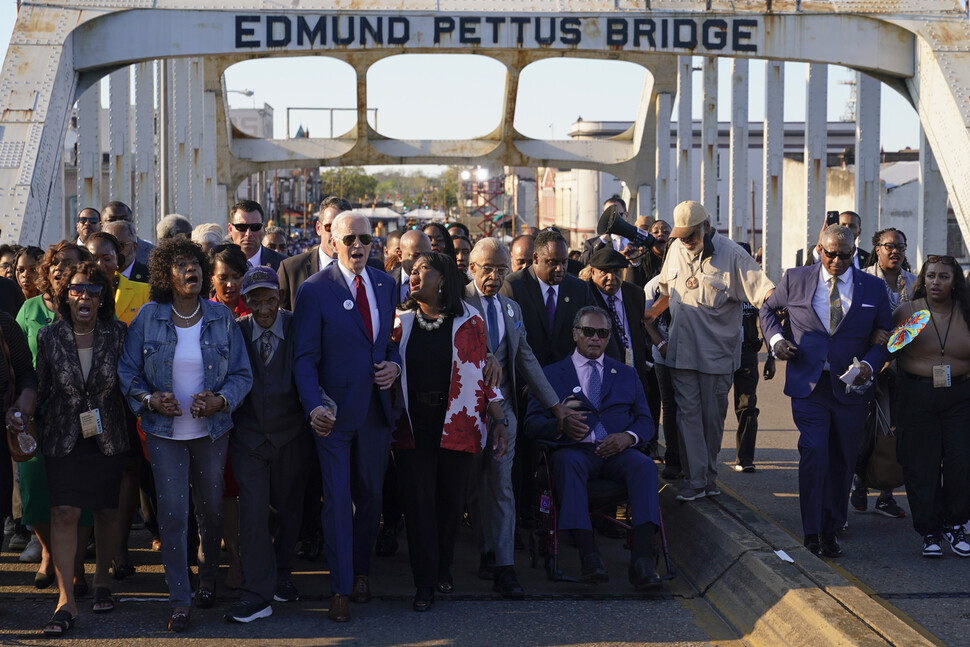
point(85, 478)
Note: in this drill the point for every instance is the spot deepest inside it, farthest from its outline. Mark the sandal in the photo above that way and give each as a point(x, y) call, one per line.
point(60, 623)
point(179, 621)
point(44, 579)
point(103, 602)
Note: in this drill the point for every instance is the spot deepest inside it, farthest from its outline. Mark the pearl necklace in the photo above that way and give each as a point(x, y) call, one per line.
point(428, 325)
point(187, 317)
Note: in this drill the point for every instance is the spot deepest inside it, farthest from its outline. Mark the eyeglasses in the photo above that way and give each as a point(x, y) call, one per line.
point(842, 256)
point(890, 247)
point(946, 260)
point(91, 289)
point(247, 226)
point(589, 331)
point(497, 271)
point(350, 239)
point(88, 220)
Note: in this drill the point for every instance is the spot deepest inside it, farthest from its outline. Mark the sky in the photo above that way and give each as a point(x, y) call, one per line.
point(460, 96)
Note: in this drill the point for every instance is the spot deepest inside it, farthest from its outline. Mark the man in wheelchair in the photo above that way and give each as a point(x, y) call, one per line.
point(616, 423)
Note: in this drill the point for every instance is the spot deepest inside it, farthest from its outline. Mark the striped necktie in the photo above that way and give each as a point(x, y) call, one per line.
point(835, 305)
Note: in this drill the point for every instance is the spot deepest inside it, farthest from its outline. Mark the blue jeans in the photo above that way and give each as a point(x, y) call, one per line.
point(176, 464)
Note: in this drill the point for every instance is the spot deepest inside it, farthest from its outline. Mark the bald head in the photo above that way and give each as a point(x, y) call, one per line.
point(414, 242)
point(522, 251)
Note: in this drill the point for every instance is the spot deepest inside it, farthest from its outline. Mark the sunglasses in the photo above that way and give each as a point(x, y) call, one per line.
point(842, 257)
point(890, 247)
point(946, 260)
point(247, 226)
point(589, 331)
point(90, 289)
point(88, 220)
point(350, 239)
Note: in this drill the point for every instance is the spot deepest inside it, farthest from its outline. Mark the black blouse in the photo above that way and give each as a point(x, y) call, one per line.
point(20, 358)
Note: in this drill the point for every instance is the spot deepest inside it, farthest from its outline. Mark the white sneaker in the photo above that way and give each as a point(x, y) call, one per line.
point(958, 542)
point(931, 546)
point(33, 552)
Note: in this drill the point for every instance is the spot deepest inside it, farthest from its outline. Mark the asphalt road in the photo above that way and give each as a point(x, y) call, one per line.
point(882, 556)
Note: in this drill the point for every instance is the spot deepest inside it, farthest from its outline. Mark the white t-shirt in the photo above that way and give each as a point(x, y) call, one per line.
point(188, 378)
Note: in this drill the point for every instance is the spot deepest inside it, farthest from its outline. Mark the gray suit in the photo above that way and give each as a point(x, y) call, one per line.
point(491, 485)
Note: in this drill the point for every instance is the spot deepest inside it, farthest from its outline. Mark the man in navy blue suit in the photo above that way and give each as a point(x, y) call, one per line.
point(834, 310)
point(617, 422)
point(343, 321)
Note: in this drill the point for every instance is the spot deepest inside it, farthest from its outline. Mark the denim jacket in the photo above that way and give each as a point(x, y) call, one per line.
point(146, 363)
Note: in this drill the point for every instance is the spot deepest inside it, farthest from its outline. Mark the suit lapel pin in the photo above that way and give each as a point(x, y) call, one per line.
point(348, 304)
point(577, 389)
point(613, 371)
point(380, 284)
point(508, 309)
point(566, 299)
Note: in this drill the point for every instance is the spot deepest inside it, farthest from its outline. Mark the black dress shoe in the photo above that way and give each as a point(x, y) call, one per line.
point(486, 566)
point(813, 544)
point(593, 569)
point(423, 599)
point(507, 584)
point(830, 545)
point(643, 576)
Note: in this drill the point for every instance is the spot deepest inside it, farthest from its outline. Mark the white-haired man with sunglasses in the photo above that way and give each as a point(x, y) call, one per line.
point(616, 423)
point(246, 228)
point(835, 311)
point(343, 320)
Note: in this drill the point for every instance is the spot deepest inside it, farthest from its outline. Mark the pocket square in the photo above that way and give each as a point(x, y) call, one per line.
point(868, 305)
point(518, 325)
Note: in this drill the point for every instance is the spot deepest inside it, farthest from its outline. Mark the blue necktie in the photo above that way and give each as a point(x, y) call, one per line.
point(594, 395)
point(617, 325)
point(491, 319)
point(551, 307)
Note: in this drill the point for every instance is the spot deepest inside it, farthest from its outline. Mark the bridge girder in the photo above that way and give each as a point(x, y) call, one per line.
point(60, 47)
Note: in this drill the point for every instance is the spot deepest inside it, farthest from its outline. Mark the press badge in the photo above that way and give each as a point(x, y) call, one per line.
point(628, 357)
point(91, 423)
point(941, 376)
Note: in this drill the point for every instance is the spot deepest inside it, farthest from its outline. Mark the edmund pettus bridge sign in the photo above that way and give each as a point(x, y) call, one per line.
point(60, 48)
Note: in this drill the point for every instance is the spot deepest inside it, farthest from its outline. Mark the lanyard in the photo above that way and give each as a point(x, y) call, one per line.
point(947, 334)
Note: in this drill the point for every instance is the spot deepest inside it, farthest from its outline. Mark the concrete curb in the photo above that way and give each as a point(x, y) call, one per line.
point(727, 551)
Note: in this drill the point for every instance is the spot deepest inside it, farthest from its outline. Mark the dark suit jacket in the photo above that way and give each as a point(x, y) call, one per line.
point(68, 395)
point(334, 352)
point(271, 258)
point(869, 310)
point(139, 272)
point(590, 245)
point(11, 297)
point(634, 303)
point(548, 345)
point(294, 271)
point(623, 406)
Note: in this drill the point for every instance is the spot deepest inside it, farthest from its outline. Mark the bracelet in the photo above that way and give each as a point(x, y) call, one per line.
point(663, 342)
point(147, 400)
point(225, 404)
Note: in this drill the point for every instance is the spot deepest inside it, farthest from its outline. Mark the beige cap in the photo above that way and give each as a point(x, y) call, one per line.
point(687, 215)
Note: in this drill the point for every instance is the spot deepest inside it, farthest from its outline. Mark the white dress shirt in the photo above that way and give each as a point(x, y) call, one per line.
point(405, 285)
point(323, 261)
point(257, 259)
point(544, 288)
point(617, 242)
point(351, 280)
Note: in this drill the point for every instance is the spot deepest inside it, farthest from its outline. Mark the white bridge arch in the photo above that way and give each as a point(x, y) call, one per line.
point(59, 48)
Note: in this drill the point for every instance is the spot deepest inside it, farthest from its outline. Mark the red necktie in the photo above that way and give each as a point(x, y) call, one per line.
point(363, 307)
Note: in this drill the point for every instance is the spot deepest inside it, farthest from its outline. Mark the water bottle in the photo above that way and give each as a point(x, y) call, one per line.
point(27, 443)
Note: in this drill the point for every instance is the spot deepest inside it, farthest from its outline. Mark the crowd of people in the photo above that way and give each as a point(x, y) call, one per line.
point(243, 388)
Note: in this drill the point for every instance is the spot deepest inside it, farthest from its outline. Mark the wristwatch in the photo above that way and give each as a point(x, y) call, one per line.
point(500, 421)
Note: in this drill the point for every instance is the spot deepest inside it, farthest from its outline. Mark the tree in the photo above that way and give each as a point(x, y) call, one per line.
point(352, 183)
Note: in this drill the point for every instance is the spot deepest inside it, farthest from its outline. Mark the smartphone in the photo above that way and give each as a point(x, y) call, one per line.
point(831, 218)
